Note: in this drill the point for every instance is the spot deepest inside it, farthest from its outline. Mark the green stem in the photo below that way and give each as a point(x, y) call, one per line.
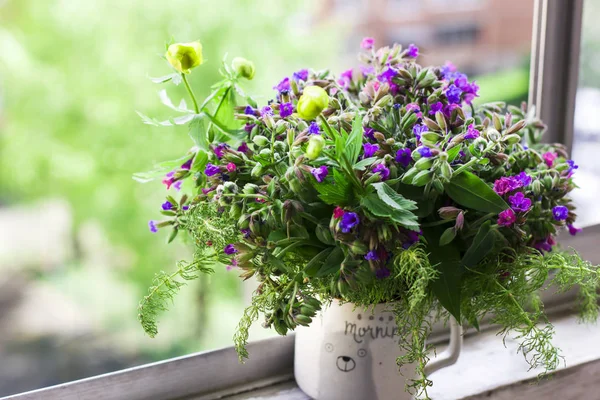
point(191, 92)
point(436, 223)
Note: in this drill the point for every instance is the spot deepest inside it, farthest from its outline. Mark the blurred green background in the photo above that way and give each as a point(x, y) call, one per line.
point(72, 75)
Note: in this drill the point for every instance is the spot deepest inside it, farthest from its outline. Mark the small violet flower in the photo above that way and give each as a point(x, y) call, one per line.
point(370, 149)
point(523, 179)
point(560, 213)
point(320, 173)
point(453, 93)
point(283, 86)
point(412, 51)
point(472, 133)
point(382, 170)
point(246, 232)
point(234, 263)
point(243, 148)
point(387, 75)
point(313, 128)
point(403, 156)
point(211, 169)
point(349, 221)
point(412, 237)
point(266, 111)
point(507, 217)
point(230, 249)
point(338, 212)
point(572, 166)
point(249, 110)
point(345, 78)
point(435, 107)
point(549, 158)
point(418, 129)
point(177, 185)
point(382, 273)
point(367, 43)
point(185, 208)
point(188, 164)
point(167, 205)
point(519, 202)
point(413, 107)
point(301, 75)
point(219, 150)
point(545, 245)
point(285, 110)
point(424, 151)
point(368, 132)
point(371, 256)
point(505, 185)
point(572, 230)
point(152, 226)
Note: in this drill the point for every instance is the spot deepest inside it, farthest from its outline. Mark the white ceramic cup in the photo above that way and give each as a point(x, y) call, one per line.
point(350, 354)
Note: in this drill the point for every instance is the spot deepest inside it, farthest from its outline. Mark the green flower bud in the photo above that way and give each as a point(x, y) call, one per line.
point(307, 310)
point(359, 247)
point(438, 186)
point(260, 140)
point(423, 164)
point(409, 175)
point(493, 135)
point(312, 102)
point(315, 146)
point(547, 182)
point(431, 136)
point(250, 188)
point(324, 234)
point(243, 67)
point(302, 320)
point(236, 210)
point(446, 170)
point(511, 139)
point(184, 56)
point(422, 178)
point(257, 170)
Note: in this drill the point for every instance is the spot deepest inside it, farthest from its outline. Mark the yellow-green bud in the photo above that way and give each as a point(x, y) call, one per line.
point(312, 102)
point(184, 56)
point(243, 67)
point(260, 140)
point(423, 164)
point(315, 145)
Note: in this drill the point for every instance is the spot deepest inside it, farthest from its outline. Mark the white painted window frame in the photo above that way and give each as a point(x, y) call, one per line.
point(214, 374)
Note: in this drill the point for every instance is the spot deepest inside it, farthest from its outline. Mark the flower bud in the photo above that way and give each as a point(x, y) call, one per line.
point(358, 247)
point(184, 56)
point(315, 145)
point(511, 139)
point(243, 67)
point(536, 187)
point(422, 178)
point(423, 164)
point(409, 175)
point(312, 102)
point(446, 170)
point(260, 140)
point(493, 135)
point(431, 136)
point(449, 213)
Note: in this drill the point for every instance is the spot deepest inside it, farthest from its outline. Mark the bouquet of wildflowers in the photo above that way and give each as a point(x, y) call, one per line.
point(385, 184)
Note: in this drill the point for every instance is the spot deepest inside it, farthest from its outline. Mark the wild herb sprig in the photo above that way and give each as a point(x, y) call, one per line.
point(385, 184)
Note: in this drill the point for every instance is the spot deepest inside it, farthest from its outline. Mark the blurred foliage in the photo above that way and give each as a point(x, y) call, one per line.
point(72, 75)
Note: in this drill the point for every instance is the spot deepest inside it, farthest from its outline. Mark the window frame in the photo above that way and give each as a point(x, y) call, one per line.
point(209, 375)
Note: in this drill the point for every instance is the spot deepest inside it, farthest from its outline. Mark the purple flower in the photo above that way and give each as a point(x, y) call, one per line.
point(230, 249)
point(345, 78)
point(388, 75)
point(266, 111)
point(185, 208)
point(371, 256)
point(248, 127)
point(249, 110)
point(382, 170)
point(453, 93)
point(412, 51)
point(245, 232)
point(177, 185)
point(188, 164)
point(403, 156)
point(412, 237)
point(572, 166)
point(560, 213)
point(448, 70)
point(243, 148)
point(519, 202)
point(349, 221)
point(412, 107)
point(301, 75)
point(152, 226)
point(382, 273)
point(219, 150)
point(572, 230)
point(320, 173)
point(366, 70)
point(435, 107)
point(507, 217)
point(368, 132)
point(283, 86)
point(424, 151)
point(285, 110)
point(471, 90)
point(549, 158)
point(523, 179)
point(545, 244)
point(234, 263)
point(505, 185)
point(472, 133)
point(418, 129)
point(367, 43)
point(370, 149)
point(211, 169)
point(313, 128)
point(167, 205)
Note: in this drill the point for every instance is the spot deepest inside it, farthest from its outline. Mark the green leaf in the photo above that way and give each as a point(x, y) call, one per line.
point(224, 115)
point(448, 236)
point(393, 198)
point(338, 193)
point(470, 191)
point(453, 153)
point(200, 161)
point(198, 133)
point(379, 208)
point(332, 263)
point(313, 266)
point(482, 244)
point(446, 259)
point(364, 163)
point(355, 140)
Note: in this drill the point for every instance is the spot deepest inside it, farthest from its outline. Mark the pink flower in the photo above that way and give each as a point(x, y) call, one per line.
point(505, 185)
point(233, 264)
point(367, 43)
point(338, 212)
point(507, 217)
point(549, 158)
point(231, 167)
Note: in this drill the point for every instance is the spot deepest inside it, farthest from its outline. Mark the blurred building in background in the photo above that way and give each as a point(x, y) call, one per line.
point(479, 36)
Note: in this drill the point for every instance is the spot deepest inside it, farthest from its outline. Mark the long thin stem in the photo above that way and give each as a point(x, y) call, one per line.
point(191, 92)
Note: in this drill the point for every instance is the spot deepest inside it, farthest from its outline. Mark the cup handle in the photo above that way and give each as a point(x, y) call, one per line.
point(450, 355)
